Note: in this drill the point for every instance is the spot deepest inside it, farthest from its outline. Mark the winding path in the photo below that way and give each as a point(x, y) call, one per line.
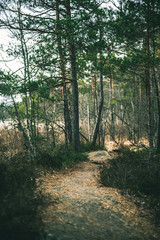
point(79, 208)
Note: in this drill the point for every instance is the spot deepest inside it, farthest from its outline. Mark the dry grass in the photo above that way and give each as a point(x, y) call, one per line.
point(11, 143)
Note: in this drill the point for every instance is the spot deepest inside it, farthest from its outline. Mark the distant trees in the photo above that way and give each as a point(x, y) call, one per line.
point(87, 69)
point(138, 22)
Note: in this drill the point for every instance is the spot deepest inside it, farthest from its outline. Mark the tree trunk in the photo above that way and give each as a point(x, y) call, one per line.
point(112, 113)
point(148, 91)
point(27, 142)
point(24, 49)
point(89, 124)
point(75, 103)
point(53, 137)
point(139, 112)
point(46, 120)
point(157, 94)
point(94, 97)
point(96, 130)
point(63, 74)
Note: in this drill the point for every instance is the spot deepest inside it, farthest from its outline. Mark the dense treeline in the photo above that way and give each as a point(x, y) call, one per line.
point(112, 54)
point(88, 70)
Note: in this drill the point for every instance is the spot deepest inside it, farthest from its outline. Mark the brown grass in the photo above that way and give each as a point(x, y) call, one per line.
point(11, 143)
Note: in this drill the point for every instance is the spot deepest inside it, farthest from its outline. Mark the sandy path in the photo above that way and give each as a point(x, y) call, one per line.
point(81, 209)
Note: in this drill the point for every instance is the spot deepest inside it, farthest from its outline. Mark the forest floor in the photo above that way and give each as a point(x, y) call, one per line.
point(78, 207)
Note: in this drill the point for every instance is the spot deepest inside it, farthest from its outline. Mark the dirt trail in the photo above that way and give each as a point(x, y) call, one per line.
point(81, 209)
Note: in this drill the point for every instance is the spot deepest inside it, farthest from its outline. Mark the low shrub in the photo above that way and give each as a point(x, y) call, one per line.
point(58, 158)
point(72, 158)
point(19, 200)
point(129, 172)
point(89, 146)
point(19, 195)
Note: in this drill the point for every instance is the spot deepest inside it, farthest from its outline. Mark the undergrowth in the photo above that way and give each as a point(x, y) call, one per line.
point(130, 173)
point(19, 200)
point(58, 158)
point(89, 146)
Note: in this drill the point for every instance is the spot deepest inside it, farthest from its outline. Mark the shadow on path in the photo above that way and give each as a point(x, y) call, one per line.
point(81, 209)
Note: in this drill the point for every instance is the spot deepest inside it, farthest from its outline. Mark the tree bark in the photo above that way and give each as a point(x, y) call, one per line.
point(157, 93)
point(96, 130)
point(112, 112)
point(139, 112)
point(63, 74)
point(148, 91)
point(29, 120)
point(94, 96)
point(27, 142)
point(75, 103)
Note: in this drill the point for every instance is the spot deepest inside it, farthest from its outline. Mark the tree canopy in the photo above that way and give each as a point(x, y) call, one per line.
point(88, 68)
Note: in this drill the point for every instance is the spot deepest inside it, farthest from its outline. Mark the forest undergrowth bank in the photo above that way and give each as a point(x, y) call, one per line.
point(129, 172)
point(20, 192)
point(80, 207)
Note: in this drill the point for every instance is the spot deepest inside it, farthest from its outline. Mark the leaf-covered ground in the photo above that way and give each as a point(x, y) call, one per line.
point(79, 208)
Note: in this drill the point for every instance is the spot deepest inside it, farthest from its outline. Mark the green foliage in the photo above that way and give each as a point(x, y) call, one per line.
point(68, 161)
point(130, 172)
point(5, 111)
point(58, 158)
point(88, 146)
point(18, 200)
point(84, 89)
point(19, 194)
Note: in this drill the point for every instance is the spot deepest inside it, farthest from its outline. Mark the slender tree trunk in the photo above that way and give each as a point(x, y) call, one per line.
point(94, 97)
point(139, 112)
point(112, 113)
point(157, 94)
point(46, 121)
point(37, 117)
point(21, 128)
point(63, 74)
point(97, 127)
point(27, 78)
point(53, 137)
point(75, 103)
point(148, 91)
point(69, 128)
point(134, 110)
point(158, 104)
point(89, 125)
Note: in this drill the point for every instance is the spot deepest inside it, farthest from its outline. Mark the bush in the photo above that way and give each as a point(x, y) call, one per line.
point(129, 172)
point(19, 200)
point(58, 158)
point(72, 158)
point(88, 146)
